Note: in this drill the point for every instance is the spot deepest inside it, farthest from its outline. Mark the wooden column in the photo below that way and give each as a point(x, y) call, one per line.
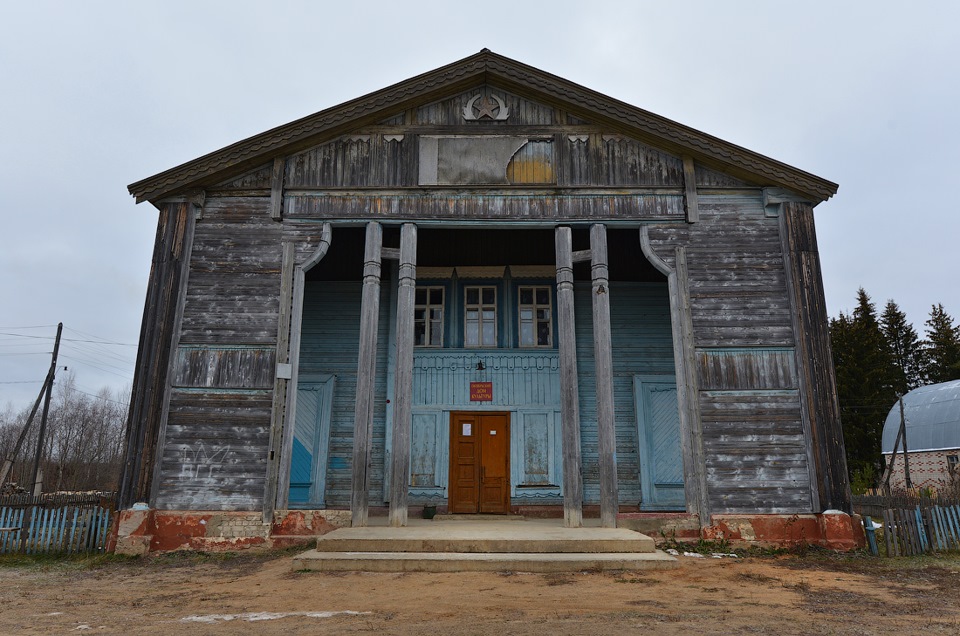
point(403, 391)
point(603, 357)
point(282, 376)
point(366, 373)
point(569, 392)
point(817, 379)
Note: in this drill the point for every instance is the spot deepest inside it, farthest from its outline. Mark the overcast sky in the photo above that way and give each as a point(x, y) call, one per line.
point(97, 95)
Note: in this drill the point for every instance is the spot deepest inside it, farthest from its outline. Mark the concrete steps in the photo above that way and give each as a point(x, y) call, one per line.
point(486, 545)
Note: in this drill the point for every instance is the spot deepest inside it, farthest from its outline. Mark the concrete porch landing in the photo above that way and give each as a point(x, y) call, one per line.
point(530, 545)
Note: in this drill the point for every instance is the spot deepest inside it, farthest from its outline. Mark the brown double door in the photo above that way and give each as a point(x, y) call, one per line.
point(479, 463)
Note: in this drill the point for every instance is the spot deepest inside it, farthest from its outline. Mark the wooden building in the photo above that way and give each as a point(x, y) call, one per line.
point(487, 289)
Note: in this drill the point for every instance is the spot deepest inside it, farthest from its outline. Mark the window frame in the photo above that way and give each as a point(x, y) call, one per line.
point(535, 307)
point(480, 307)
point(427, 308)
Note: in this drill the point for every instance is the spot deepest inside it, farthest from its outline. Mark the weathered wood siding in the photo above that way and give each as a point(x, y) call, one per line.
point(642, 344)
point(215, 452)
point(753, 441)
point(215, 449)
point(145, 419)
point(234, 275)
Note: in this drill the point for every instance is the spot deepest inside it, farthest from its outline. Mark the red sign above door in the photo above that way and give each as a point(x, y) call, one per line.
point(481, 391)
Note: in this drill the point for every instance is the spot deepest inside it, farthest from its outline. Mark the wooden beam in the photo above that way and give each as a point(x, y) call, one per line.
point(403, 391)
point(818, 382)
point(690, 190)
point(366, 374)
point(276, 189)
point(569, 393)
point(688, 390)
point(603, 359)
point(582, 256)
point(280, 384)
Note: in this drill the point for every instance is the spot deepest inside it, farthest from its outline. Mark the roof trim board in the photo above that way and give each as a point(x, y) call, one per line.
point(490, 68)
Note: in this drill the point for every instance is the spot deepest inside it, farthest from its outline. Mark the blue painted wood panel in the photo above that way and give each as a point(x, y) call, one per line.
point(658, 426)
point(311, 436)
point(329, 345)
point(642, 345)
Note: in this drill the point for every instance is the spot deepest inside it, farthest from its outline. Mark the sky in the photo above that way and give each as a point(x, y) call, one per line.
point(97, 95)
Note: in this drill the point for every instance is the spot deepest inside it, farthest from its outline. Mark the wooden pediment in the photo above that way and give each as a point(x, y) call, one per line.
point(485, 120)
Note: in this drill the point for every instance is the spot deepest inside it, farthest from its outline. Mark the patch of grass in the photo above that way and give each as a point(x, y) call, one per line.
point(64, 561)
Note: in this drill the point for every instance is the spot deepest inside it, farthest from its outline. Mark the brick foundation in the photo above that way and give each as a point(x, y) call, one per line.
point(142, 531)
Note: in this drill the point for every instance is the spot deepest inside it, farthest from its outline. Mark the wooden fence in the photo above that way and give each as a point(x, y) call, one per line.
point(911, 532)
point(874, 505)
point(55, 523)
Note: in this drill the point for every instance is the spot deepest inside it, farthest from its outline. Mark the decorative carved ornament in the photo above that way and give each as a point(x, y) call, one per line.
point(483, 107)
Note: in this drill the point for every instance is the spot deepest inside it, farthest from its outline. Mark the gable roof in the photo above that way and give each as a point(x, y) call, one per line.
point(484, 67)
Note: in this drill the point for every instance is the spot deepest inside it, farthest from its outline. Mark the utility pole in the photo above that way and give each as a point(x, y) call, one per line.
point(46, 408)
point(8, 462)
point(27, 524)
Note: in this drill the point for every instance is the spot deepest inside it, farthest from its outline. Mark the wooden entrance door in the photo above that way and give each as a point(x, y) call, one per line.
point(479, 463)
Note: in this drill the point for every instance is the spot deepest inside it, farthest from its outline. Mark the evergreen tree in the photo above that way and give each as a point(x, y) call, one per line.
point(866, 379)
point(905, 348)
point(942, 347)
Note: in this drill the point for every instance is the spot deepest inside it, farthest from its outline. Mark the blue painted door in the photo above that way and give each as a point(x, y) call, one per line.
point(311, 433)
point(658, 427)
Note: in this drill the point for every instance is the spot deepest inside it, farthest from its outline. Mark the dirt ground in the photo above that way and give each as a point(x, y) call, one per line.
point(259, 594)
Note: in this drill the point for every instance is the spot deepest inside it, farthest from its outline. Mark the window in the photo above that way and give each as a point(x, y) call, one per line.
point(952, 461)
point(428, 317)
point(536, 317)
point(480, 317)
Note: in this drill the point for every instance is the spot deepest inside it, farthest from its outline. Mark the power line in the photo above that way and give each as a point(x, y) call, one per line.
point(103, 342)
point(97, 367)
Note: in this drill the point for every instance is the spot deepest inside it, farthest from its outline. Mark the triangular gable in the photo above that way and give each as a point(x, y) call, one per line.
point(443, 94)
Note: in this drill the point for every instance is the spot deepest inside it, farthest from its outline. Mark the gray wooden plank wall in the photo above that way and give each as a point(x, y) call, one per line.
point(215, 452)
point(744, 347)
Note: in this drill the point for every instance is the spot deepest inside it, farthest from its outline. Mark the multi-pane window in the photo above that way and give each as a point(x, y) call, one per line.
point(952, 463)
point(428, 317)
point(480, 317)
point(536, 317)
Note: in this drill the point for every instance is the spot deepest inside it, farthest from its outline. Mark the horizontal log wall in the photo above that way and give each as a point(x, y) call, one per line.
point(215, 449)
point(753, 441)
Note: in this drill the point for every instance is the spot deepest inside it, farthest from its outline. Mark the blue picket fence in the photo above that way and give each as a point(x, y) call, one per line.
point(52, 524)
point(909, 532)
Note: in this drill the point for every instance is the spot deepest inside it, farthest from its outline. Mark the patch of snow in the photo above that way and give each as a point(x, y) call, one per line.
point(263, 616)
point(694, 555)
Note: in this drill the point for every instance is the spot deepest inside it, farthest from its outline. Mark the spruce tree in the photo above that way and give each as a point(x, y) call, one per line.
point(866, 378)
point(942, 347)
point(905, 348)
